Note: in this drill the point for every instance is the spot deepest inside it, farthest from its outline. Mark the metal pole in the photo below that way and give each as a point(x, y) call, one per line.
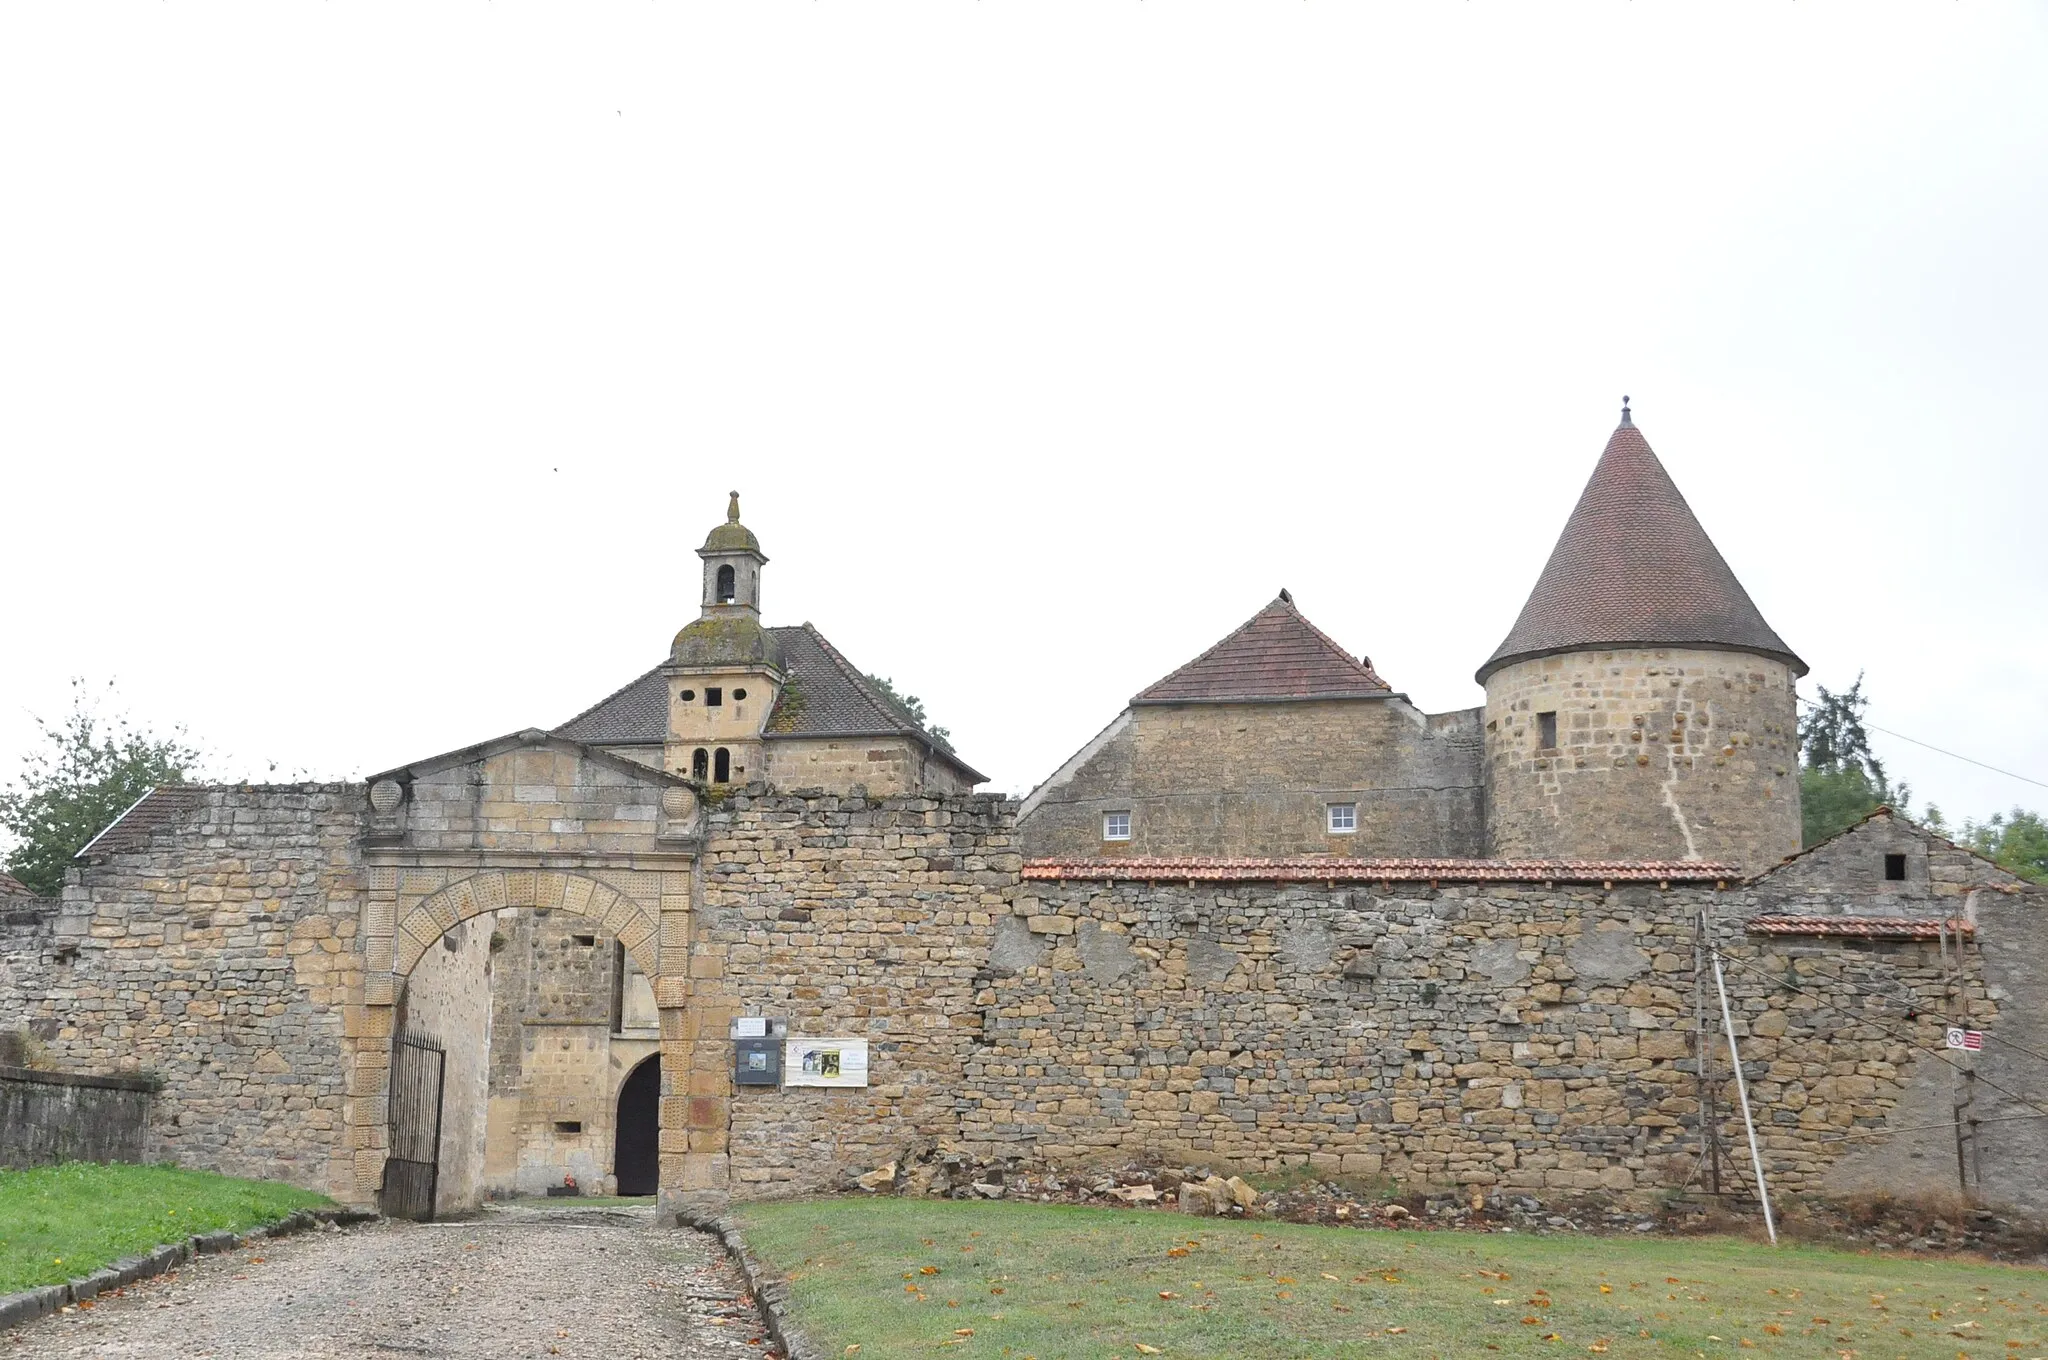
point(1955, 1081)
point(1742, 1091)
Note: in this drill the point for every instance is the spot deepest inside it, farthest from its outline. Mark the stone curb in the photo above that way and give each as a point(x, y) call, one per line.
point(30, 1304)
point(770, 1290)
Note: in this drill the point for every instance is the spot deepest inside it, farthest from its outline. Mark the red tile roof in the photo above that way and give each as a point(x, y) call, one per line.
point(1860, 927)
point(1334, 869)
point(1276, 655)
point(1634, 568)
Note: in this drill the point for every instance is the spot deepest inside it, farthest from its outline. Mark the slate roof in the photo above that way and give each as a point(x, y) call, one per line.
point(634, 714)
point(1634, 568)
point(10, 886)
point(1277, 655)
point(1336, 869)
point(825, 696)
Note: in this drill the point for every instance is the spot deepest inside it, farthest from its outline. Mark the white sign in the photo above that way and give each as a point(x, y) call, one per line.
point(750, 1027)
point(825, 1062)
point(1971, 1039)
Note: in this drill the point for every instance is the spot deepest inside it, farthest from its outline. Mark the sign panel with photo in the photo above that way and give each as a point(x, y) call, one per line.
point(825, 1062)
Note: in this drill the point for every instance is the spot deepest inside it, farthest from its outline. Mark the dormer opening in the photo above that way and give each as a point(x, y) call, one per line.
point(728, 586)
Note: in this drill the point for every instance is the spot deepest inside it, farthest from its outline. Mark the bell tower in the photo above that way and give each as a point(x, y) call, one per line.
point(724, 670)
point(732, 567)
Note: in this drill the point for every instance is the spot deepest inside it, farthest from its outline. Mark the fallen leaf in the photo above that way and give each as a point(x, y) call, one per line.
point(1168, 1294)
point(1395, 1331)
point(1607, 1289)
point(1143, 1349)
point(854, 1349)
point(963, 1331)
point(928, 1270)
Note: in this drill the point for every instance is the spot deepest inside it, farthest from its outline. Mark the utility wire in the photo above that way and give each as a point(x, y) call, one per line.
point(1953, 755)
point(1908, 1041)
point(1913, 1003)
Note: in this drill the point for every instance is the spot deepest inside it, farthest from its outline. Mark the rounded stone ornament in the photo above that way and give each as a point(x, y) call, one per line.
point(385, 796)
point(678, 804)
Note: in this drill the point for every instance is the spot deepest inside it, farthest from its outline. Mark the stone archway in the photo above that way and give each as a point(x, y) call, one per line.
point(552, 889)
point(398, 933)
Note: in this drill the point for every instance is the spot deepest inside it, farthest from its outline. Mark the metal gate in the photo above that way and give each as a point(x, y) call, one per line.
point(412, 1172)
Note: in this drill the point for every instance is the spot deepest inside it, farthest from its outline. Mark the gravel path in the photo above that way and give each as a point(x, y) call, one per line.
point(582, 1285)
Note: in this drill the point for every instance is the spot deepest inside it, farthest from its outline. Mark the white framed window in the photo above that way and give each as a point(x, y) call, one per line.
point(1342, 818)
point(1116, 826)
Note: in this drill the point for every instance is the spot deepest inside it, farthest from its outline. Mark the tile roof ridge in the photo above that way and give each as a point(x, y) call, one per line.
point(655, 669)
point(1284, 604)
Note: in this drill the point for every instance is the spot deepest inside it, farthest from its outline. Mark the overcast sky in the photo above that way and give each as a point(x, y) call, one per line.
point(369, 374)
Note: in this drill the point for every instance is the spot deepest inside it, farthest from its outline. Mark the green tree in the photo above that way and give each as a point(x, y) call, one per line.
point(2017, 841)
point(88, 769)
point(912, 708)
point(1841, 780)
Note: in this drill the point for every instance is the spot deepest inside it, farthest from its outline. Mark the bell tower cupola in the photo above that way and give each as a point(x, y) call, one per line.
point(732, 567)
point(724, 669)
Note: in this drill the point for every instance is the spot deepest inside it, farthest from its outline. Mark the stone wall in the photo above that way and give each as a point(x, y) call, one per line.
point(1661, 754)
point(1255, 779)
point(868, 918)
point(1531, 1037)
point(886, 767)
point(48, 1117)
point(236, 942)
point(212, 944)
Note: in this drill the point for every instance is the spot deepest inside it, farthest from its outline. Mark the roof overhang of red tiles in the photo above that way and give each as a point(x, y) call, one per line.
point(1317, 869)
point(1861, 927)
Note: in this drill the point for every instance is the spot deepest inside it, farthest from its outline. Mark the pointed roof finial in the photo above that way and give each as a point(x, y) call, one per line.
point(1626, 419)
point(732, 508)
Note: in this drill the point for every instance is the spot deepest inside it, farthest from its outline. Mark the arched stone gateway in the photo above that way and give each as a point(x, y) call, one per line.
point(421, 905)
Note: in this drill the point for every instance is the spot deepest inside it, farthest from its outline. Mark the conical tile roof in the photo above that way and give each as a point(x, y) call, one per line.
point(1276, 655)
point(1634, 568)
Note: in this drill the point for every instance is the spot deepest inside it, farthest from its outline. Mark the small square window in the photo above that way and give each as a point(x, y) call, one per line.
point(714, 698)
point(1343, 818)
point(1895, 868)
point(1116, 826)
point(1546, 731)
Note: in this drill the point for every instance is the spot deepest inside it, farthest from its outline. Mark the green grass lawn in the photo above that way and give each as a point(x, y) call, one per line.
point(897, 1277)
point(59, 1222)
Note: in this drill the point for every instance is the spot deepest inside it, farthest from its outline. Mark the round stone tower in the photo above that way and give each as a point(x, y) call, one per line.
point(1641, 708)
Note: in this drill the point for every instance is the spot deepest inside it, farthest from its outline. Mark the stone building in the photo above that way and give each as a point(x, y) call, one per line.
point(1273, 742)
point(1479, 983)
point(1640, 708)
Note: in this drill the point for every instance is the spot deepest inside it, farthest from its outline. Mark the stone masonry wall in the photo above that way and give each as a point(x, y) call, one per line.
point(214, 948)
point(1254, 779)
point(1528, 1037)
point(1661, 754)
point(846, 916)
point(48, 1117)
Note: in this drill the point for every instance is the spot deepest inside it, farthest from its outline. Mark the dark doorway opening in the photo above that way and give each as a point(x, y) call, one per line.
point(636, 1154)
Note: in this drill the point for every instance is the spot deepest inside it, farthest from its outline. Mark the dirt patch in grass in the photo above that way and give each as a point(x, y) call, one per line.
point(1009, 1281)
point(60, 1222)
